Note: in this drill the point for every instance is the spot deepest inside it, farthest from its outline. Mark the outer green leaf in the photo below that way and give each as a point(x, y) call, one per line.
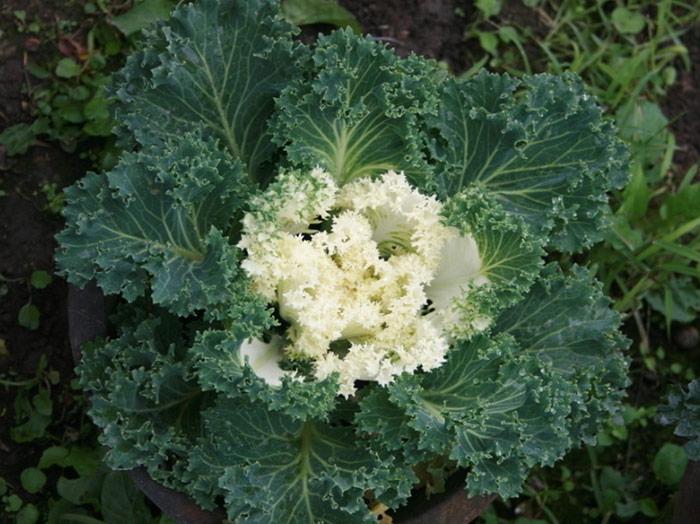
point(566, 322)
point(159, 218)
point(218, 64)
point(543, 151)
point(387, 426)
point(502, 404)
point(357, 115)
point(143, 394)
point(484, 410)
point(273, 469)
point(222, 368)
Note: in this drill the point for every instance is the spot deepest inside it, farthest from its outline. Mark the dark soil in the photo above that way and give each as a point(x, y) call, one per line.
point(432, 28)
point(27, 244)
point(682, 106)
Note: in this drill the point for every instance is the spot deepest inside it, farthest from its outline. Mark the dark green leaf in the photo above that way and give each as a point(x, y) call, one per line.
point(121, 501)
point(29, 514)
point(13, 503)
point(143, 394)
point(678, 300)
point(37, 71)
point(52, 456)
point(33, 428)
point(357, 117)
point(79, 491)
point(42, 402)
point(683, 410)
point(273, 469)
point(18, 138)
point(163, 213)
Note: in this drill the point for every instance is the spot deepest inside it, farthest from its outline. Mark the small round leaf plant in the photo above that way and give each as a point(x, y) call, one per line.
point(332, 261)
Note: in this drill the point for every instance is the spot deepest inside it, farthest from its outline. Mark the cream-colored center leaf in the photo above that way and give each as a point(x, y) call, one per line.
point(350, 271)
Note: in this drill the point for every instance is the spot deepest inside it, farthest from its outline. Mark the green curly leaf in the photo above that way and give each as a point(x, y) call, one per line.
point(510, 258)
point(143, 394)
point(222, 368)
point(357, 116)
point(545, 378)
point(539, 145)
point(216, 66)
point(566, 322)
point(471, 407)
point(274, 469)
point(387, 426)
point(159, 217)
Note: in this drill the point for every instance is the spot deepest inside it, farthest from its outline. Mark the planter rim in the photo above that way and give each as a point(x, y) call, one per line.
point(87, 320)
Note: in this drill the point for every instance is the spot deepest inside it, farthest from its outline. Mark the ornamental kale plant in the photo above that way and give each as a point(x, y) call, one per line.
point(333, 269)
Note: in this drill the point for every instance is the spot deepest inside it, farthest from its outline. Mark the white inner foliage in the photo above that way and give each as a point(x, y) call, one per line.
point(459, 267)
point(264, 358)
point(352, 270)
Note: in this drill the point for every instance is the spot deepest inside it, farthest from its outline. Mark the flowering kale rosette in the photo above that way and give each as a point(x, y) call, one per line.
point(332, 266)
